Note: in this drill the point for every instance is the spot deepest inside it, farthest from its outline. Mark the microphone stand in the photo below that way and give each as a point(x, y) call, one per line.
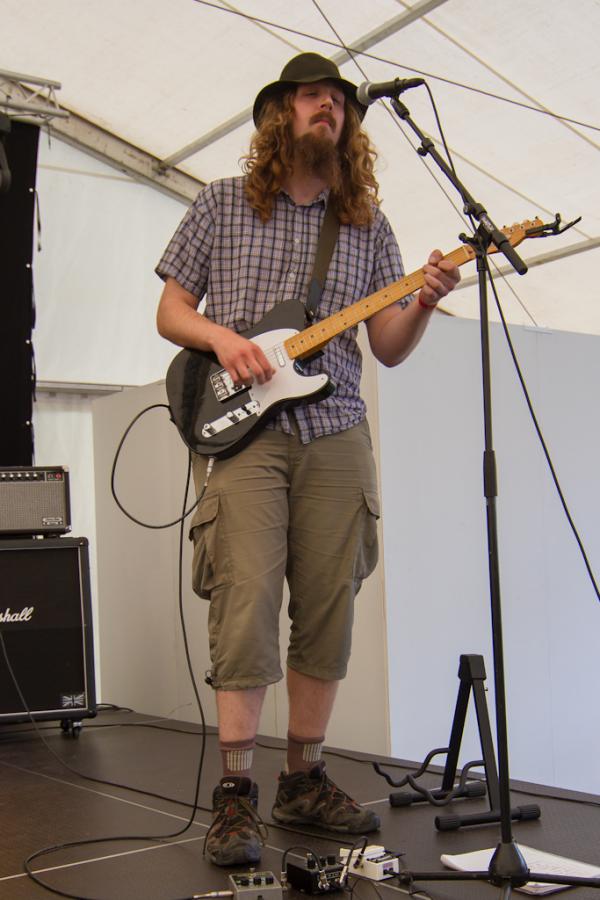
point(507, 868)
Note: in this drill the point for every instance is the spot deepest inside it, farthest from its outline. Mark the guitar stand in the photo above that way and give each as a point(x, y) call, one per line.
point(472, 675)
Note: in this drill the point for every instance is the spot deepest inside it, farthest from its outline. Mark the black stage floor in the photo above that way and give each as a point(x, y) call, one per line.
point(155, 762)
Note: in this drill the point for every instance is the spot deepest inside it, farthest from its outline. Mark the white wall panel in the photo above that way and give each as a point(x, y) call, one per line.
point(96, 291)
point(431, 429)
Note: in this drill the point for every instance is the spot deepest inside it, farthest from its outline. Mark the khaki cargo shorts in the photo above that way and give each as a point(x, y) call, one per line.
point(281, 509)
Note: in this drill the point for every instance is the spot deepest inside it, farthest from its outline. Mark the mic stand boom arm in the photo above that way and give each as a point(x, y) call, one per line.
point(471, 207)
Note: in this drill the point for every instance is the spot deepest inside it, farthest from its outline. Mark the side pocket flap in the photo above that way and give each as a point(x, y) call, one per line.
point(206, 512)
point(372, 501)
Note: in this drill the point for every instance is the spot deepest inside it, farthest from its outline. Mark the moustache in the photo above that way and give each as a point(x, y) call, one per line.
point(323, 116)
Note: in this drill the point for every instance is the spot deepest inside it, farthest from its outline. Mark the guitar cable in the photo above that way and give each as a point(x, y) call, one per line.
point(186, 513)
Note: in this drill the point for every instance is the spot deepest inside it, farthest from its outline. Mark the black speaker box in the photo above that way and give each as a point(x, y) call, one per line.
point(46, 625)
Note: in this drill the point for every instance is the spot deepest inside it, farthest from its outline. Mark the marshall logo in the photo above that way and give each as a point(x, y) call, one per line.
point(25, 615)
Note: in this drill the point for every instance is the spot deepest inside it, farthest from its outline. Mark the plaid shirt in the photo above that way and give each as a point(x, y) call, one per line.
point(245, 267)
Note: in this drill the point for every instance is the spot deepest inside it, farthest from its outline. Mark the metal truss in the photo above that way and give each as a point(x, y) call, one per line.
point(29, 98)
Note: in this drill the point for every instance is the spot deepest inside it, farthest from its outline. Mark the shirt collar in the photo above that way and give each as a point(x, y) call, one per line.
point(323, 197)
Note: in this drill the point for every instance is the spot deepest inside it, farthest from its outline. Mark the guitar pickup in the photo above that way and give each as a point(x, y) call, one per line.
point(223, 386)
point(280, 357)
point(233, 417)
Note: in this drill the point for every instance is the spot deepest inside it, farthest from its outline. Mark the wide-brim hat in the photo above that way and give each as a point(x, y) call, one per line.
point(304, 69)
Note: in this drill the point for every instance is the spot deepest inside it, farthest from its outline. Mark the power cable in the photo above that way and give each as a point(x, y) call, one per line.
point(541, 438)
point(486, 65)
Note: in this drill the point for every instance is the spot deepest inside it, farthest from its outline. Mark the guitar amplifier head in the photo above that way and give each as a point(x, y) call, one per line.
point(34, 500)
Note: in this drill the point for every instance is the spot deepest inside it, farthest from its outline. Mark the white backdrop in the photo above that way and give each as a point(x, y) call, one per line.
point(436, 562)
point(96, 292)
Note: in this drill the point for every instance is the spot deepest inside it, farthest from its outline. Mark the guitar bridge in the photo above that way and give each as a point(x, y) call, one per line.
point(209, 429)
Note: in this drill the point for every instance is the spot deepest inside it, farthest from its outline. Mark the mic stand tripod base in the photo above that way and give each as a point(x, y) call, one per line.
point(508, 866)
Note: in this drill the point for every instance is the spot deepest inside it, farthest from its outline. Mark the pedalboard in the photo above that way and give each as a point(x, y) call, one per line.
point(255, 886)
point(374, 862)
point(314, 875)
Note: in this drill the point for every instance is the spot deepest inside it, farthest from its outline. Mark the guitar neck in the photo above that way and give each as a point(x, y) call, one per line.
point(315, 337)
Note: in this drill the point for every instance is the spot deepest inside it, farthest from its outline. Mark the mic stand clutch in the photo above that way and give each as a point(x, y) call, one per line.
point(507, 868)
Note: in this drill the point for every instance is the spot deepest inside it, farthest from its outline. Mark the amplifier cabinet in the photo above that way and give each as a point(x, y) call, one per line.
point(46, 626)
point(34, 500)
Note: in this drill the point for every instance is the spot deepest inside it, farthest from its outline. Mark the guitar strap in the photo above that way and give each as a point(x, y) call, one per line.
point(325, 246)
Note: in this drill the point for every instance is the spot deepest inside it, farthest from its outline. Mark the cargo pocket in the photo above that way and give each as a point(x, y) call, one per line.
point(210, 564)
point(367, 552)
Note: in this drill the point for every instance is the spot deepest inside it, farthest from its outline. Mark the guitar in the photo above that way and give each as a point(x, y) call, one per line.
point(217, 418)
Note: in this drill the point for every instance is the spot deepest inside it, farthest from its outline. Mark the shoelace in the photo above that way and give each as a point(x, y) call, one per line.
point(335, 792)
point(240, 805)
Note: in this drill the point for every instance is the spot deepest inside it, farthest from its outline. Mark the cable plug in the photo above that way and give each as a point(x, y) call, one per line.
point(323, 882)
point(374, 862)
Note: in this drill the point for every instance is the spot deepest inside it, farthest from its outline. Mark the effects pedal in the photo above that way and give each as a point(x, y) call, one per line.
point(255, 886)
point(374, 862)
point(312, 878)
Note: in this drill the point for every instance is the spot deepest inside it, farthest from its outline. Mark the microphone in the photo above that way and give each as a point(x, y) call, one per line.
point(370, 91)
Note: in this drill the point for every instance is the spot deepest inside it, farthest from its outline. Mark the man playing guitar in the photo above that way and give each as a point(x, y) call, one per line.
point(299, 501)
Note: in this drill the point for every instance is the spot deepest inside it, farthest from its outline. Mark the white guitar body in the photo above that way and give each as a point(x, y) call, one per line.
point(286, 385)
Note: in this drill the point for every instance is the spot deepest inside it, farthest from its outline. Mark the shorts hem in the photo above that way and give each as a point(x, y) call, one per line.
point(246, 684)
point(322, 673)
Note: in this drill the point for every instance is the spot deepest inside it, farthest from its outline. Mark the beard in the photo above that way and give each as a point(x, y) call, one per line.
point(316, 154)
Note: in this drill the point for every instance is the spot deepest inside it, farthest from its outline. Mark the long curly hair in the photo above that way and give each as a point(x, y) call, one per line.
point(269, 162)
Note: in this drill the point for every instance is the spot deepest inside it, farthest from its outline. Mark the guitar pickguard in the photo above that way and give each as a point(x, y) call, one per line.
point(217, 418)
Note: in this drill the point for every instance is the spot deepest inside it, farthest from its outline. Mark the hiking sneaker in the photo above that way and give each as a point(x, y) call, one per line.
point(237, 831)
point(311, 798)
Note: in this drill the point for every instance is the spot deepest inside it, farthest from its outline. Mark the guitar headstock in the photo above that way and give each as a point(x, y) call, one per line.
point(521, 230)
point(530, 228)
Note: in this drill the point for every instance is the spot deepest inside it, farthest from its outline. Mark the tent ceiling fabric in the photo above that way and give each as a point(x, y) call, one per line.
point(162, 74)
